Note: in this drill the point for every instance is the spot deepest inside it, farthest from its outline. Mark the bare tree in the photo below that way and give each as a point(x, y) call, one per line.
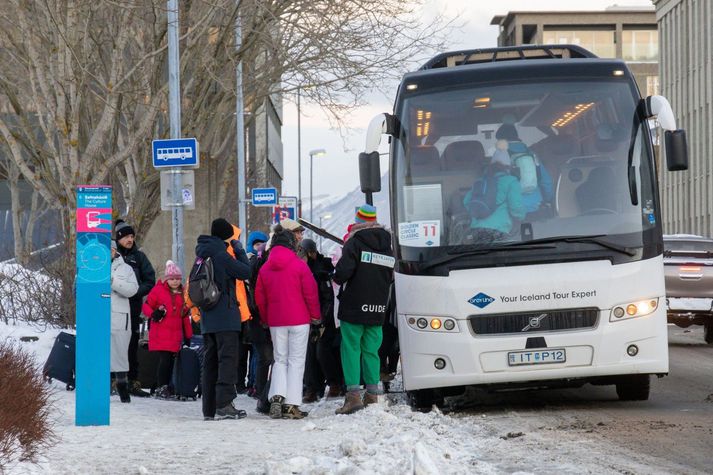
point(83, 82)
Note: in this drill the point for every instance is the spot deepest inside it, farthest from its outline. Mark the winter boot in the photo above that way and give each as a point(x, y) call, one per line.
point(229, 412)
point(335, 391)
point(122, 387)
point(370, 399)
point(292, 411)
point(164, 392)
point(135, 389)
point(263, 407)
point(309, 397)
point(276, 407)
point(352, 403)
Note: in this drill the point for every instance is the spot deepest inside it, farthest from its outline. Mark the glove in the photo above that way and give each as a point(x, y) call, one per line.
point(158, 314)
point(187, 342)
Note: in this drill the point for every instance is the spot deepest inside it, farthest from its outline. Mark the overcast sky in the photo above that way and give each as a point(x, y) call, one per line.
point(337, 173)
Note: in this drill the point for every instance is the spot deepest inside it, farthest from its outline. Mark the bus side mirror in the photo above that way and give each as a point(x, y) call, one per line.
point(369, 172)
point(676, 150)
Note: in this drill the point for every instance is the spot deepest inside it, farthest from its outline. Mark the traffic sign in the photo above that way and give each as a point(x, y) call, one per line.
point(187, 191)
point(264, 196)
point(287, 208)
point(175, 153)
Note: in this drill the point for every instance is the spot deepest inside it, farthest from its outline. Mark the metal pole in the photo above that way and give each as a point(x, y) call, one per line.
point(240, 128)
point(174, 113)
point(311, 207)
point(299, 157)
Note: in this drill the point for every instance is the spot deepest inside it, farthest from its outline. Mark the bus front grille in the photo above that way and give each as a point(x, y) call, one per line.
point(533, 322)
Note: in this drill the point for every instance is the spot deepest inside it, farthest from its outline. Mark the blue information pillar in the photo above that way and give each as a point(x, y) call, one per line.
point(93, 304)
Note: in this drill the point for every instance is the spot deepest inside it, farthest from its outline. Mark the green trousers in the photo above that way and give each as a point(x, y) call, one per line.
point(360, 352)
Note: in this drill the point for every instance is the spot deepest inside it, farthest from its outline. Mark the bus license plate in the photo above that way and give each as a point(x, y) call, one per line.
point(553, 355)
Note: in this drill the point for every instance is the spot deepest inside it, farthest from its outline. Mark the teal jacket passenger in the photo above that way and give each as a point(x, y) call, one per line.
point(508, 205)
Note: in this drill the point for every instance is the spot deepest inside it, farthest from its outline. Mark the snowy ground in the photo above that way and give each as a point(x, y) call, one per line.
point(150, 436)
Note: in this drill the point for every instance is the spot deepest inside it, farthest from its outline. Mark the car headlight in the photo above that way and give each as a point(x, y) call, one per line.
point(633, 309)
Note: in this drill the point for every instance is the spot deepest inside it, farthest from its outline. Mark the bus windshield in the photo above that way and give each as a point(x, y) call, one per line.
point(487, 166)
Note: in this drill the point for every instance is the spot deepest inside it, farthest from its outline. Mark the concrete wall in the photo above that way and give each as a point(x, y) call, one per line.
point(686, 57)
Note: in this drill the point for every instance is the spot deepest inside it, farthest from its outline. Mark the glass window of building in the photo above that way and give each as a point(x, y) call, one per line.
point(640, 45)
point(599, 42)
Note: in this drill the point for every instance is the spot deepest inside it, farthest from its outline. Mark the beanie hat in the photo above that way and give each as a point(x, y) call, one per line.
point(172, 271)
point(507, 132)
point(121, 229)
point(282, 237)
point(291, 225)
point(221, 229)
point(365, 214)
point(308, 245)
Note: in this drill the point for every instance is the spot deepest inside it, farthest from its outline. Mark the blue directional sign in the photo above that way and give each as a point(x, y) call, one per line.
point(264, 196)
point(175, 153)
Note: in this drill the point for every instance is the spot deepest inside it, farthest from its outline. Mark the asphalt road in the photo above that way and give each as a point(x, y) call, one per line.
point(672, 432)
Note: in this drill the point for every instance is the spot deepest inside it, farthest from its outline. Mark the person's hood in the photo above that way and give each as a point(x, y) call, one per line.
point(256, 236)
point(234, 237)
point(372, 235)
point(209, 246)
point(280, 258)
point(321, 266)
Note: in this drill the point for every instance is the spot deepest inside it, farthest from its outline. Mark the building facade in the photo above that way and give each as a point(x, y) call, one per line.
point(617, 32)
point(686, 32)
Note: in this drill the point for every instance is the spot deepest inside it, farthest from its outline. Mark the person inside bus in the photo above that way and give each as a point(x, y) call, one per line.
point(495, 201)
point(535, 180)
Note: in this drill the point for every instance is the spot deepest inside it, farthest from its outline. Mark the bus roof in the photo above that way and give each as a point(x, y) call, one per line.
point(506, 53)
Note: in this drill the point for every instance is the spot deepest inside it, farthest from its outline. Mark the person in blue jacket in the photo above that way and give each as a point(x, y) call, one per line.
point(508, 205)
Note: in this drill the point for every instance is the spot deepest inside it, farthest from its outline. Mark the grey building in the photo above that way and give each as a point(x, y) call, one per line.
point(628, 33)
point(686, 31)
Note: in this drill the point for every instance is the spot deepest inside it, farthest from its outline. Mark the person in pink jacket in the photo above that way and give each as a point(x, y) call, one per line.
point(287, 298)
point(170, 325)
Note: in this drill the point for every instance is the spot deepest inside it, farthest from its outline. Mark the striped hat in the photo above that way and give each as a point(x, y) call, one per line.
point(365, 214)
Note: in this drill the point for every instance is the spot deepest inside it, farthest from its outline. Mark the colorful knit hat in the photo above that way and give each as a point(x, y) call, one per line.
point(365, 214)
point(172, 271)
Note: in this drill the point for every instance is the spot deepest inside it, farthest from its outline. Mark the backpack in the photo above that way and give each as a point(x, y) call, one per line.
point(483, 197)
point(525, 166)
point(202, 288)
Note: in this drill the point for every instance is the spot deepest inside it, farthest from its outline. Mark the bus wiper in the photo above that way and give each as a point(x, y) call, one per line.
point(630, 170)
point(588, 239)
point(458, 252)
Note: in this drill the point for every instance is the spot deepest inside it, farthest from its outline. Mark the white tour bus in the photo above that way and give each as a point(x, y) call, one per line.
point(555, 278)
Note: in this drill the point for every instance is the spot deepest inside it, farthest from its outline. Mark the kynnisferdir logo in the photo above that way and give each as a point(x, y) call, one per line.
point(481, 300)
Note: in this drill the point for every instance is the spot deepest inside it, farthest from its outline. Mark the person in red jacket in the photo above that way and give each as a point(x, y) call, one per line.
point(170, 324)
point(287, 299)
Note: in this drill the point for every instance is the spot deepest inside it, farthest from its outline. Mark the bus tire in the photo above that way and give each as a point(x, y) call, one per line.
point(423, 400)
point(708, 332)
point(633, 387)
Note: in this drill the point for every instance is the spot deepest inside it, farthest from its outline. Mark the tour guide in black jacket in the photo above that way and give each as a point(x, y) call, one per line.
point(220, 324)
point(365, 273)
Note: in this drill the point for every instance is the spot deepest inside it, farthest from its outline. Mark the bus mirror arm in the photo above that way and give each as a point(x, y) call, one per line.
point(369, 166)
point(380, 125)
point(676, 145)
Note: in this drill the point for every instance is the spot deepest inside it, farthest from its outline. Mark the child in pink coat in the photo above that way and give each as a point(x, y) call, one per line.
point(169, 325)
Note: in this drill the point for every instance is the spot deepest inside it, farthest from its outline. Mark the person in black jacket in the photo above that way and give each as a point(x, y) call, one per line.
point(364, 272)
point(220, 325)
point(323, 361)
point(146, 277)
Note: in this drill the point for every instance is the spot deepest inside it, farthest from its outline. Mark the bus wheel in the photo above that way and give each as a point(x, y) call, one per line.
point(708, 332)
point(423, 400)
point(633, 387)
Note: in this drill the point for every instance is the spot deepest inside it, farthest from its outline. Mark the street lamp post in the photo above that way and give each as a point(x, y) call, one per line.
point(323, 217)
point(299, 157)
point(319, 152)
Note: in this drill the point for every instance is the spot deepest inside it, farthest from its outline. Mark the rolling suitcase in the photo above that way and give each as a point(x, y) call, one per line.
point(60, 364)
point(187, 374)
point(148, 366)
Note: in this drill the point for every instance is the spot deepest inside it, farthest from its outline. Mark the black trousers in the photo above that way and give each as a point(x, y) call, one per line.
point(329, 356)
point(134, 346)
point(164, 371)
point(265, 358)
point(313, 377)
point(389, 350)
point(219, 370)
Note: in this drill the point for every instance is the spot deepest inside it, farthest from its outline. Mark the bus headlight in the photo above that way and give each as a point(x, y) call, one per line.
point(422, 323)
point(449, 324)
point(432, 324)
point(633, 309)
